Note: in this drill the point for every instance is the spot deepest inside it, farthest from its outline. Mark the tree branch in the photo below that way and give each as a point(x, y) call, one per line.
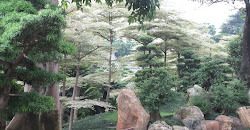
point(25, 51)
point(16, 95)
point(5, 62)
point(99, 34)
point(90, 51)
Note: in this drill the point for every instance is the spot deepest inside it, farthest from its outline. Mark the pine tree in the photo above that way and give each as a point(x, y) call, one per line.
point(186, 67)
point(153, 81)
point(27, 37)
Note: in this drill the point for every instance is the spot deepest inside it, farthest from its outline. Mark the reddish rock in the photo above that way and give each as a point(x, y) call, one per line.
point(211, 125)
point(131, 114)
point(244, 115)
point(225, 122)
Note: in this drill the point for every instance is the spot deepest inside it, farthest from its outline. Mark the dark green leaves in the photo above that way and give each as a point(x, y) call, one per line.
point(31, 102)
point(141, 9)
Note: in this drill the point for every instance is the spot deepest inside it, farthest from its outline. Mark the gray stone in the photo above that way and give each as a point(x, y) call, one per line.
point(160, 125)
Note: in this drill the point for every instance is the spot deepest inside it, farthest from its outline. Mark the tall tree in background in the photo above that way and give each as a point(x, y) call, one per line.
point(86, 44)
point(234, 24)
point(107, 23)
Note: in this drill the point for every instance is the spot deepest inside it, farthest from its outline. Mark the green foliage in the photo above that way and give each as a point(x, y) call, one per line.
point(212, 29)
point(97, 122)
point(173, 121)
point(123, 49)
point(202, 101)
point(223, 98)
point(234, 25)
point(66, 47)
point(38, 77)
point(234, 50)
point(26, 36)
point(145, 39)
point(240, 91)
point(20, 30)
point(155, 88)
point(31, 102)
point(218, 37)
point(154, 82)
point(212, 71)
point(20, 6)
point(141, 9)
point(186, 67)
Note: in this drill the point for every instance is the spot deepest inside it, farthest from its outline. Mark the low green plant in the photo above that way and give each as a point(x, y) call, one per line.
point(223, 98)
point(240, 91)
point(103, 121)
point(201, 101)
point(173, 121)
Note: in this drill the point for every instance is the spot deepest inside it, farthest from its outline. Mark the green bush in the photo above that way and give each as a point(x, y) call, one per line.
point(202, 102)
point(223, 98)
point(173, 121)
point(103, 121)
point(240, 91)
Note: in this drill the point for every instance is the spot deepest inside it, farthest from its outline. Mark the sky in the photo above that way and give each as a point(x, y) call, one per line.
point(215, 14)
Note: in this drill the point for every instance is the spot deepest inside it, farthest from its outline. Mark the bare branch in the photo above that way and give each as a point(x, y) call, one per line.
point(99, 34)
point(91, 51)
point(14, 95)
point(5, 62)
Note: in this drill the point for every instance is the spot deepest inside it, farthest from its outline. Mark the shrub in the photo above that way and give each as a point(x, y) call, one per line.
point(240, 91)
point(201, 101)
point(223, 98)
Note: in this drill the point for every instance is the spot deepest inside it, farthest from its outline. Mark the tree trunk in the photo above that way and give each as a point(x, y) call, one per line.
point(74, 96)
point(165, 56)
point(63, 91)
point(155, 115)
point(110, 57)
point(64, 82)
point(52, 120)
point(178, 56)
point(77, 91)
point(30, 120)
point(4, 98)
point(245, 61)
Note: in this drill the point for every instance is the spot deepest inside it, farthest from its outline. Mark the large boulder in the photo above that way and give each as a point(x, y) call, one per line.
point(131, 114)
point(237, 124)
point(192, 117)
point(225, 122)
point(244, 115)
point(160, 125)
point(211, 125)
point(176, 127)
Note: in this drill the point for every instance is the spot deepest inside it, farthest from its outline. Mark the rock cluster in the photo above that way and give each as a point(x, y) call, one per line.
point(132, 116)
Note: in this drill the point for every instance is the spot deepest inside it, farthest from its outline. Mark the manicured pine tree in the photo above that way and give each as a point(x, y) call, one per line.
point(186, 67)
point(153, 80)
